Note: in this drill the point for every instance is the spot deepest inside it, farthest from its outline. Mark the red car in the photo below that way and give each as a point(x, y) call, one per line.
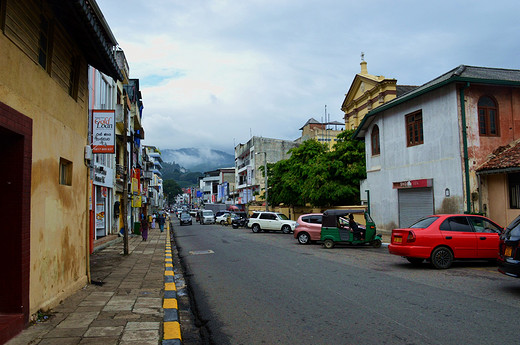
point(444, 238)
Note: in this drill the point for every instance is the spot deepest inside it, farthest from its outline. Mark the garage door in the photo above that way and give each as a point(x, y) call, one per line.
point(414, 203)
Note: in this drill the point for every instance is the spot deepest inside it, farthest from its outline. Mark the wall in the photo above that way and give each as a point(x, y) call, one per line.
point(58, 264)
point(438, 158)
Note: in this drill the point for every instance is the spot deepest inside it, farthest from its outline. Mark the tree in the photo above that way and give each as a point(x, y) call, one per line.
point(171, 189)
point(317, 176)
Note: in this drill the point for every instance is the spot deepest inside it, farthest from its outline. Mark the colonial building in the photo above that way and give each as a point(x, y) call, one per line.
point(323, 132)
point(46, 47)
point(449, 146)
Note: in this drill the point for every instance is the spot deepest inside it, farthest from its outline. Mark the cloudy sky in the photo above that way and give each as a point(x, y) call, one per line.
point(214, 72)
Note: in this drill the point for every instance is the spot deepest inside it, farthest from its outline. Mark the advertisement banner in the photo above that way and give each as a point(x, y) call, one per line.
point(100, 215)
point(103, 131)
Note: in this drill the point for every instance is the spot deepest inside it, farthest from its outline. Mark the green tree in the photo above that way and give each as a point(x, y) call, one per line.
point(317, 176)
point(171, 189)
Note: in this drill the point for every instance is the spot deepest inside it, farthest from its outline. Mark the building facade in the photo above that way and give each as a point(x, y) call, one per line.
point(424, 150)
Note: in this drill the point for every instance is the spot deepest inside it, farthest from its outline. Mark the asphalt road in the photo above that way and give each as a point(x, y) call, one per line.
point(267, 289)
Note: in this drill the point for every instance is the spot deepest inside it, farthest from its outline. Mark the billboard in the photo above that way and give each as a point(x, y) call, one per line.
point(103, 131)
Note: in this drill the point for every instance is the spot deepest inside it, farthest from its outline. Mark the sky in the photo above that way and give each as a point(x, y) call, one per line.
point(213, 73)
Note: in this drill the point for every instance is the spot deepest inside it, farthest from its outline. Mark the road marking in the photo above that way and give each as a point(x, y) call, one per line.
point(201, 252)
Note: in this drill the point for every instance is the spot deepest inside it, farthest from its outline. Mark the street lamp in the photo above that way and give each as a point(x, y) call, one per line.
point(265, 174)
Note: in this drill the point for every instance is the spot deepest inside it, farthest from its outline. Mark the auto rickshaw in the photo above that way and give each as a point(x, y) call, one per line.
point(335, 229)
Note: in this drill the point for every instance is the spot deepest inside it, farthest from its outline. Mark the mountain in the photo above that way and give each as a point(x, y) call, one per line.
point(195, 159)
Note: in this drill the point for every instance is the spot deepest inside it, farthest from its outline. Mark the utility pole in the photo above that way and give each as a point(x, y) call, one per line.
point(125, 174)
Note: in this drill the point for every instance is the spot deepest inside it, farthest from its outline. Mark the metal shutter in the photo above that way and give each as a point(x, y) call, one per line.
point(414, 204)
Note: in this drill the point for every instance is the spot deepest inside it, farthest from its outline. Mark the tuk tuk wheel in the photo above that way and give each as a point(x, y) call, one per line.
point(329, 244)
point(376, 243)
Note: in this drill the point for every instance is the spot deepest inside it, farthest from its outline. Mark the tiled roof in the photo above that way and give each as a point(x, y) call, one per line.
point(503, 157)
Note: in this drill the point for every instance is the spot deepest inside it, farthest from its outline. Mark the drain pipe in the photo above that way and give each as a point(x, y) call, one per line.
point(465, 147)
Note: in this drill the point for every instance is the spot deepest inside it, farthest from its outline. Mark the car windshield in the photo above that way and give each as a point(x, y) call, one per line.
point(423, 223)
point(282, 216)
point(207, 213)
point(185, 215)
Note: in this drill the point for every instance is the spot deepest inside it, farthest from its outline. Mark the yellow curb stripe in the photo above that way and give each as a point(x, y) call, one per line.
point(168, 273)
point(172, 330)
point(168, 265)
point(170, 303)
point(170, 287)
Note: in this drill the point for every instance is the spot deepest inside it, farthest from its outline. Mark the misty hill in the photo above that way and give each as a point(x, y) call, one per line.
point(195, 159)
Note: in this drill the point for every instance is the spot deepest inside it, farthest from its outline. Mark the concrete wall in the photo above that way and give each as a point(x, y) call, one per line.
point(58, 235)
point(438, 158)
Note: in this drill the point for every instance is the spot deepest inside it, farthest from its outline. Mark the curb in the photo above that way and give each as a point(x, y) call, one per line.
point(171, 325)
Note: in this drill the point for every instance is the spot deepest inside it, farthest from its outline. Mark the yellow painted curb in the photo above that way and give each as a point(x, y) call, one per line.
point(172, 330)
point(170, 303)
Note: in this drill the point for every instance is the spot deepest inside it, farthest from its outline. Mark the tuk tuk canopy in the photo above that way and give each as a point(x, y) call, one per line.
point(330, 216)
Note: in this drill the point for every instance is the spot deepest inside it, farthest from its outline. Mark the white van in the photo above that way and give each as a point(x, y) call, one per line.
point(207, 217)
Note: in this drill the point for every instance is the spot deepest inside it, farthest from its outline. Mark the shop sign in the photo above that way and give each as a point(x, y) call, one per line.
point(103, 131)
point(422, 183)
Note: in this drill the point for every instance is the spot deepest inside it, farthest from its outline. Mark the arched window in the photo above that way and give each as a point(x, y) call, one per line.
point(376, 149)
point(487, 116)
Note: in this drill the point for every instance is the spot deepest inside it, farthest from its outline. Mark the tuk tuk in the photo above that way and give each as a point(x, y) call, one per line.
point(335, 229)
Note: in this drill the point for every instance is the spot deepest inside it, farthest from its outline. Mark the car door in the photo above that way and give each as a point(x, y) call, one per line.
point(488, 237)
point(458, 234)
point(266, 221)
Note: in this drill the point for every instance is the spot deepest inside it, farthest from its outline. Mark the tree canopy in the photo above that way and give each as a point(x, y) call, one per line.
point(315, 175)
point(171, 189)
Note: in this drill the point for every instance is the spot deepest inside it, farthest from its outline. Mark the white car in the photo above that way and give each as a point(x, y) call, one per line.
point(271, 221)
point(222, 219)
point(207, 217)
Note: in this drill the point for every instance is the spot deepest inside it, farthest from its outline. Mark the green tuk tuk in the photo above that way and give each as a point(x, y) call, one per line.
point(335, 229)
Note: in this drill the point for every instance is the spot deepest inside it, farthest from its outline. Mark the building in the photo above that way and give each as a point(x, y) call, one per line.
point(367, 92)
point(249, 158)
point(442, 148)
point(324, 132)
point(155, 191)
point(46, 49)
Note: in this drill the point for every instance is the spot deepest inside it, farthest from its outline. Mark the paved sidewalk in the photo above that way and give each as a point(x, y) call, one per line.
point(124, 303)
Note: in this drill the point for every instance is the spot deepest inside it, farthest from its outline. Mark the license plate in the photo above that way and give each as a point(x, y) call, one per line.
point(508, 251)
point(398, 240)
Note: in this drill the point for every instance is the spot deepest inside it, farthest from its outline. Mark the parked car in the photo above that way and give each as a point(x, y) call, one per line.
point(509, 249)
point(444, 238)
point(271, 221)
point(207, 217)
point(185, 218)
point(223, 218)
point(309, 228)
point(219, 213)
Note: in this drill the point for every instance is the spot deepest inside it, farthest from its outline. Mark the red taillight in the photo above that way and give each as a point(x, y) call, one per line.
point(411, 237)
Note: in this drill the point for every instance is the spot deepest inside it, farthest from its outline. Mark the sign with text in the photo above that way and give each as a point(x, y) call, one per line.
point(103, 131)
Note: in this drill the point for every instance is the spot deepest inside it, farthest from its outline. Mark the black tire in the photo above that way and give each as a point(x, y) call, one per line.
point(328, 244)
point(255, 228)
point(222, 222)
point(376, 243)
point(441, 258)
point(304, 238)
point(415, 261)
point(286, 229)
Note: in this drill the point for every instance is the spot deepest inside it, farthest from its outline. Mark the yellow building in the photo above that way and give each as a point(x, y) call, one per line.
point(325, 133)
point(45, 49)
point(366, 93)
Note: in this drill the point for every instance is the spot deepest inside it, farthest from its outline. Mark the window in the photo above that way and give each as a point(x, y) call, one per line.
point(514, 190)
point(375, 141)
point(459, 224)
point(414, 129)
point(65, 172)
point(487, 117)
point(483, 225)
point(43, 44)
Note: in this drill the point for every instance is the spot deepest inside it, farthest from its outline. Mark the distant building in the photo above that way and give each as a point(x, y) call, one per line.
point(323, 132)
point(249, 157)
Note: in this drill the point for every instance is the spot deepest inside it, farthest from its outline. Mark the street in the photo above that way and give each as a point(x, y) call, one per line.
point(266, 289)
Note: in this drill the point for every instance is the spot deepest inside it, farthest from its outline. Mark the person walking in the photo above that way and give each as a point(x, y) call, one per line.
point(162, 220)
point(153, 221)
point(144, 226)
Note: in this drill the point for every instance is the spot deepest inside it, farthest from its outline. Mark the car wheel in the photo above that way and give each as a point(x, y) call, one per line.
point(441, 258)
point(222, 222)
point(286, 229)
point(376, 243)
point(329, 244)
point(255, 228)
point(303, 238)
point(415, 261)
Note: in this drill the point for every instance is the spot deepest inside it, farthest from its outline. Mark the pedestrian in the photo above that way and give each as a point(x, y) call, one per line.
point(153, 221)
point(162, 220)
point(150, 220)
point(144, 226)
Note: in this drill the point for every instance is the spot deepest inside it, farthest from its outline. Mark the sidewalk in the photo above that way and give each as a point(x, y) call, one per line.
point(125, 304)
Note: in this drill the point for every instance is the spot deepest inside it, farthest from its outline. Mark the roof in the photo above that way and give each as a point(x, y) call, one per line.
point(461, 74)
point(85, 23)
point(503, 159)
